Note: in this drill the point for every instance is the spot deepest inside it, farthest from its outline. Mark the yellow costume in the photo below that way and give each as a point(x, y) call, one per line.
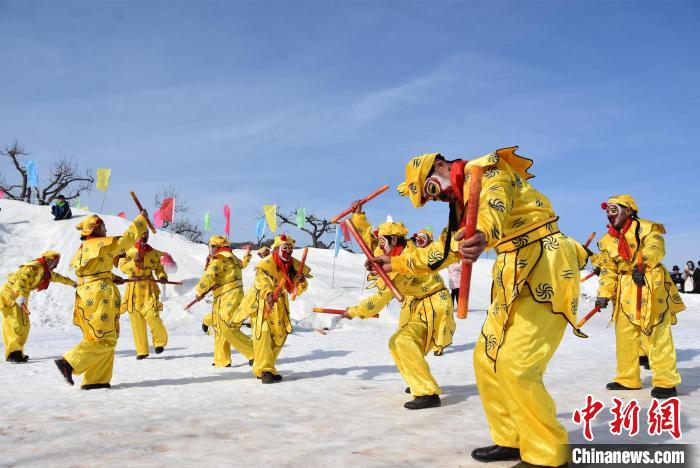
point(97, 300)
point(426, 319)
point(142, 297)
point(270, 329)
point(660, 302)
point(31, 276)
point(535, 293)
point(224, 278)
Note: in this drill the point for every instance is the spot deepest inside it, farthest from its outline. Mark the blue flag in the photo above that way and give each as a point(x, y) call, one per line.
point(260, 228)
point(32, 175)
point(337, 239)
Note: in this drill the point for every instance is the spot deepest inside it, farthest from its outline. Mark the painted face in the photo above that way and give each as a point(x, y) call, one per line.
point(618, 215)
point(52, 263)
point(100, 230)
point(285, 251)
point(264, 253)
point(387, 243)
point(422, 240)
point(438, 188)
point(212, 250)
point(144, 238)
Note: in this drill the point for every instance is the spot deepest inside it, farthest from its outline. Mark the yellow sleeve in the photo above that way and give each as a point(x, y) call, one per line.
point(209, 279)
point(246, 260)
point(608, 274)
point(653, 249)
point(495, 204)
point(372, 305)
point(264, 283)
point(160, 271)
point(58, 278)
point(131, 235)
point(416, 262)
point(26, 279)
point(359, 220)
point(302, 286)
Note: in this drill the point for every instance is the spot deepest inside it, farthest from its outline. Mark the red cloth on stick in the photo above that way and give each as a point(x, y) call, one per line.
point(227, 216)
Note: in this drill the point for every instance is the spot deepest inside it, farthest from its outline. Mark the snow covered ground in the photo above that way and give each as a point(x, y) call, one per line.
point(339, 405)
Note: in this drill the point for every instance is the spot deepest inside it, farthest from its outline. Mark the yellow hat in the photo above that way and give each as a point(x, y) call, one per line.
point(50, 254)
point(88, 225)
point(427, 233)
point(622, 200)
point(392, 229)
point(417, 171)
point(218, 241)
point(283, 239)
point(263, 249)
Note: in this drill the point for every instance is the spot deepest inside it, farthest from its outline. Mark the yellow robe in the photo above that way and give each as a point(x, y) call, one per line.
point(660, 304)
point(20, 283)
point(142, 298)
point(97, 303)
point(224, 277)
point(269, 333)
point(535, 292)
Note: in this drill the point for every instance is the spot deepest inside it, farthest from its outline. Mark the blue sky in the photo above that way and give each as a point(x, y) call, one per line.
point(314, 103)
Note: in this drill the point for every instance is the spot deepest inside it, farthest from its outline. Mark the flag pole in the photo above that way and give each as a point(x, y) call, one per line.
point(103, 200)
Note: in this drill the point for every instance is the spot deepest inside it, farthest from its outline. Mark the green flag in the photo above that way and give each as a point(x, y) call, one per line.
point(207, 221)
point(301, 217)
point(76, 203)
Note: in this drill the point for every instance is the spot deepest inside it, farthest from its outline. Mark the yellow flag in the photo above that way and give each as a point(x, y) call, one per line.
point(271, 216)
point(103, 179)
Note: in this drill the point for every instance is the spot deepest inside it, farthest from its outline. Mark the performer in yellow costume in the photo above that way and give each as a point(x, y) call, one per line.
point(223, 276)
point(142, 295)
point(535, 293)
point(620, 278)
point(270, 319)
point(36, 275)
point(97, 301)
point(426, 320)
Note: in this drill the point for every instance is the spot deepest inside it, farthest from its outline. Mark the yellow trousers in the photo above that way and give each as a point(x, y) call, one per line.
point(519, 410)
point(138, 326)
point(659, 348)
point(264, 349)
point(406, 346)
point(15, 329)
point(227, 336)
point(94, 358)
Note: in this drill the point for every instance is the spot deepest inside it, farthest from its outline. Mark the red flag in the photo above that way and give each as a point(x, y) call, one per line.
point(346, 233)
point(167, 209)
point(157, 219)
point(122, 214)
point(227, 215)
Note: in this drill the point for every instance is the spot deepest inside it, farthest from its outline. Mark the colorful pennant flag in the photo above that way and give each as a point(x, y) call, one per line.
point(158, 219)
point(346, 232)
point(167, 209)
point(103, 179)
point(301, 217)
point(2, 194)
point(207, 221)
point(32, 174)
point(76, 203)
point(260, 228)
point(227, 217)
point(122, 214)
point(271, 216)
point(337, 239)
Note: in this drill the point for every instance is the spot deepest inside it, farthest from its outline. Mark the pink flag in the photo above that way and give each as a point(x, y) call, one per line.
point(2, 194)
point(167, 209)
point(168, 263)
point(227, 215)
point(158, 219)
point(346, 233)
point(122, 214)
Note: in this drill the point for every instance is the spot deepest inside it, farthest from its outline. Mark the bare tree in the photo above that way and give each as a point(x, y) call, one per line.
point(181, 223)
point(319, 227)
point(65, 179)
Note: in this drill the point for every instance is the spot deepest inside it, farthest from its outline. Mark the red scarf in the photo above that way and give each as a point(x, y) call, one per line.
point(285, 267)
point(457, 179)
point(46, 278)
point(218, 251)
point(622, 248)
point(397, 249)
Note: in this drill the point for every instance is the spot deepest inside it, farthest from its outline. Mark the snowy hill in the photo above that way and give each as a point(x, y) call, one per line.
point(340, 403)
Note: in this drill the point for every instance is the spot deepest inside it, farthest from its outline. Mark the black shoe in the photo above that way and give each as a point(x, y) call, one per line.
point(141, 356)
point(408, 390)
point(65, 369)
point(276, 378)
point(422, 402)
point(25, 358)
point(663, 393)
point(16, 357)
point(495, 453)
point(95, 386)
point(250, 362)
point(644, 362)
point(159, 349)
point(269, 377)
point(617, 386)
point(205, 328)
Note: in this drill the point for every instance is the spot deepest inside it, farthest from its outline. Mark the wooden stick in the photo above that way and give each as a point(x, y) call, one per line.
point(640, 267)
point(589, 240)
point(300, 275)
point(379, 191)
point(199, 298)
point(134, 280)
point(322, 310)
point(588, 276)
point(472, 216)
point(25, 309)
point(377, 268)
point(588, 316)
point(138, 205)
point(275, 296)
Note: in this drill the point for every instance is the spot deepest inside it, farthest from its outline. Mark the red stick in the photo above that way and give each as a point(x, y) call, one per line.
point(588, 276)
point(640, 267)
point(472, 216)
point(25, 309)
point(322, 310)
point(197, 299)
point(588, 316)
point(300, 275)
point(135, 280)
point(368, 253)
point(275, 296)
point(590, 239)
point(362, 202)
